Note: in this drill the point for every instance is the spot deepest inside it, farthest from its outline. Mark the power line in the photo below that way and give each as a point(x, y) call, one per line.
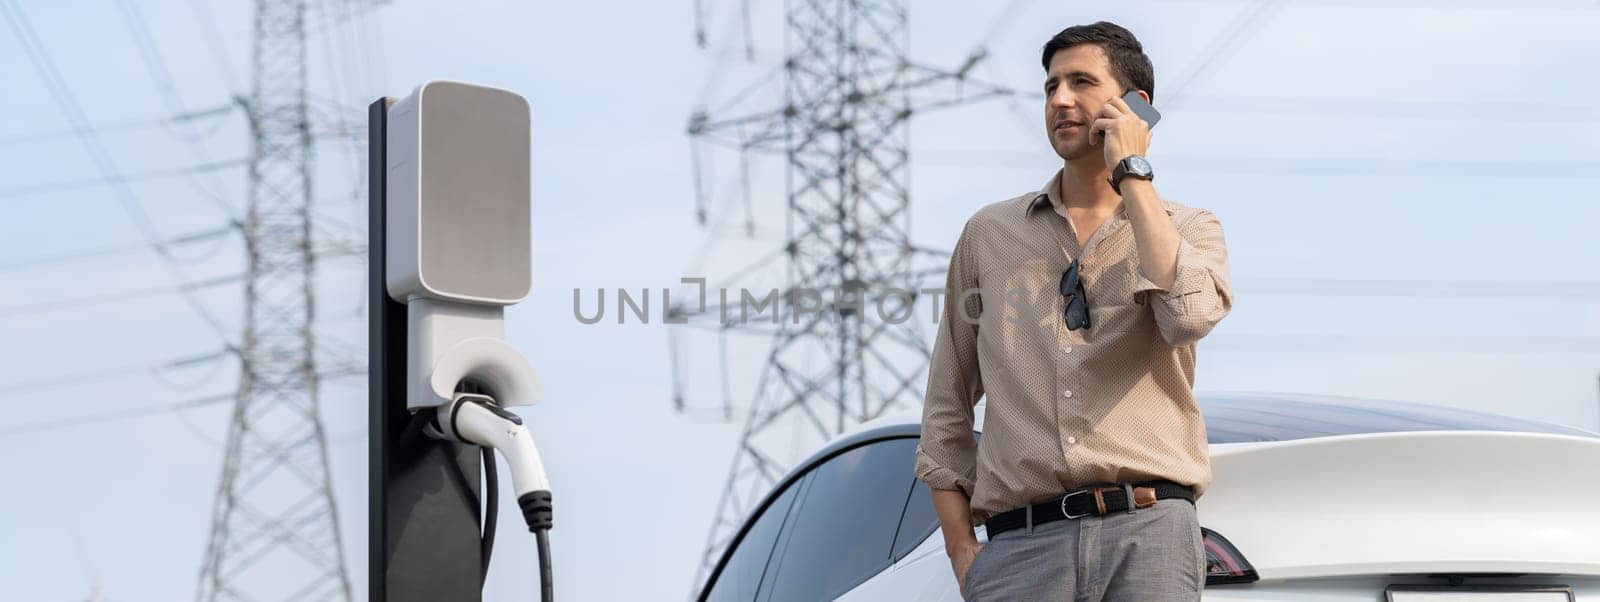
point(120, 179)
point(156, 66)
point(114, 250)
point(337, 74)
point(61, 93)
point(1365, 343)
point(1433, 289)
point(1006, 14)
point(187, 288)
point(119, 126)
point(1434, 110)
point(1370, 166)
point(151, 56)
point(1368, 108)
point(1450, 5)
point(365, 45)
point(1538, 170)
point(114, 416)
point(1222, 47)
point(79, 378)
point(373, 63)
point(219, 50)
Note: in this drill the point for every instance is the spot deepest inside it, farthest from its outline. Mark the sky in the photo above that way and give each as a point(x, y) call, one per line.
point(1406, 189)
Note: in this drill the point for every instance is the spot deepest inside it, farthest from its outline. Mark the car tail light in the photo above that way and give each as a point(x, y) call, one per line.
point(1224, 563)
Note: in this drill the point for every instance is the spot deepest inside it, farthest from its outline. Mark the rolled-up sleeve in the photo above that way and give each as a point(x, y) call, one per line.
point(1201, 294)
point(947, 453)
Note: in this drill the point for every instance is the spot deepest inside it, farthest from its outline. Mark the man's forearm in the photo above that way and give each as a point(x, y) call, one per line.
point(1156, 235)
point(955, 518)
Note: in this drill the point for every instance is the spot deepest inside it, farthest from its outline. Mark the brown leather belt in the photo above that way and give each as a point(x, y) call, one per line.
point(1095, 500)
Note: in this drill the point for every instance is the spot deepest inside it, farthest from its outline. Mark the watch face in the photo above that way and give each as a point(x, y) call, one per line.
point(1138, 166)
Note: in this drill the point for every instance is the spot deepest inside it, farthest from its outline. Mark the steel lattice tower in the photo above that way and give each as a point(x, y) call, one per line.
point(849, 91)
point(275, 528)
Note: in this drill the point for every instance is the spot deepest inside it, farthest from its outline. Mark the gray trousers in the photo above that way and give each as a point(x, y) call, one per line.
point(1153, 554)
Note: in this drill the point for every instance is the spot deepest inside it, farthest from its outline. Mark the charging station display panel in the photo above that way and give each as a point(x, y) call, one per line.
point(459, 195)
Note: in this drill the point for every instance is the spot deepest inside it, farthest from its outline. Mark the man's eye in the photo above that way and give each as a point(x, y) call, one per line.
point(1081, 81)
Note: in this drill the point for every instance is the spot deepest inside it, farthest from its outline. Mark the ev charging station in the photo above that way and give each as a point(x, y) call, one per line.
point(449, 221)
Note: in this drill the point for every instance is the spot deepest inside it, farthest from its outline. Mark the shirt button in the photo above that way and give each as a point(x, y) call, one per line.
point(1066, 350)
point(1066, 393)
point(1072, 440)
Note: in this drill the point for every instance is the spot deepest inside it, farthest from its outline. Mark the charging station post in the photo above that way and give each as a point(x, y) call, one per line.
point(423, 512)
point(450, 235)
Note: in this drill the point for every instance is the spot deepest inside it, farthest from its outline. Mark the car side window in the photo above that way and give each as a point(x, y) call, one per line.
point(844, 525)
point(917, 523)
point(742, 574)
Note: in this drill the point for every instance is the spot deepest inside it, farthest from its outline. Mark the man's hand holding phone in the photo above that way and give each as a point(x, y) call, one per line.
point(1122, 127)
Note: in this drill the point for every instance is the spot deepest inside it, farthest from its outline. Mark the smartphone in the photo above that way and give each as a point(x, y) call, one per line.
point(1141, 108)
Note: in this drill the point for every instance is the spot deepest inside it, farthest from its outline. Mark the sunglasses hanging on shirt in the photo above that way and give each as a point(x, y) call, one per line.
point(1077, 304)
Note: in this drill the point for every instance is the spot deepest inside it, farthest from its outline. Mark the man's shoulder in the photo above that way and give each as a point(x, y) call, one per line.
point(1005, 211)
point(1008, 211)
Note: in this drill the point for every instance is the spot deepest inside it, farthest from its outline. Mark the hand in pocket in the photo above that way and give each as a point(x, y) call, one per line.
point(961, 561)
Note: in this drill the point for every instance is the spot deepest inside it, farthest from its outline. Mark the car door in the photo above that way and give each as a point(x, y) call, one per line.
point(846, 526)
point(845, 520)
point(921, 571)
point(741, 575)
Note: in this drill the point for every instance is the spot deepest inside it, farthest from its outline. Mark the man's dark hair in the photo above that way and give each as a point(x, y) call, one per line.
point(1128, 62)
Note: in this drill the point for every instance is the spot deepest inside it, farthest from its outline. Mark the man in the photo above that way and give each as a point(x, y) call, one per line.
point(1076, 309)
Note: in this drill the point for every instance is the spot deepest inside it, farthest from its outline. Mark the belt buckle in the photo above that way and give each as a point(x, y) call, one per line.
point(1068, 496)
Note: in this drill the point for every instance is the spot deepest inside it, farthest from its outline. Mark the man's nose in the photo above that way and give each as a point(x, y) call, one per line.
point(1061, 99)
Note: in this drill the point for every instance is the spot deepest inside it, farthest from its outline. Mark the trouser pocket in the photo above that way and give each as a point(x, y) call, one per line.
point(974, 571)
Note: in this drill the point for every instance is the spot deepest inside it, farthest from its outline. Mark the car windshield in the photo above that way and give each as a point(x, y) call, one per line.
point(1248, 418)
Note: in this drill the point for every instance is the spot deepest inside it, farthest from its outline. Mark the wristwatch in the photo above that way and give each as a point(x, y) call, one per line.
point(1133, 166)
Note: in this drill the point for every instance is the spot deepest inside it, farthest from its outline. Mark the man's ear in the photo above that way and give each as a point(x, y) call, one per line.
point(1145, 96)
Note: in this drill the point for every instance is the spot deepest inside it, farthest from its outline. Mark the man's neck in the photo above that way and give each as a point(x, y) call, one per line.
point(1085, 186)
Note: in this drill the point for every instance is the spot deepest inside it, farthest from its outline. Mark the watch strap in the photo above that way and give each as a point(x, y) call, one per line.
point(1120, 172)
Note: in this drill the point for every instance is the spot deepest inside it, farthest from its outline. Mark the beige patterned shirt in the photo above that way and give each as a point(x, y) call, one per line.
point(1108, 404)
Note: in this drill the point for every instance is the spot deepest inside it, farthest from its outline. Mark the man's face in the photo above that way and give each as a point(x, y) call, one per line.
point(1078, 82)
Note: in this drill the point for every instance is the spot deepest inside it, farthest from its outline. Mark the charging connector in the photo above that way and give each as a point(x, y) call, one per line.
point(476, 419)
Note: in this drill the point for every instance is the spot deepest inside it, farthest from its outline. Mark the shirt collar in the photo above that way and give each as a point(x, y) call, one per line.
point(1050, 196)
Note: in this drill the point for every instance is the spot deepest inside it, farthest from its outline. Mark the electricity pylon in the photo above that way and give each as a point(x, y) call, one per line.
point(275, 527)
point(849, 93)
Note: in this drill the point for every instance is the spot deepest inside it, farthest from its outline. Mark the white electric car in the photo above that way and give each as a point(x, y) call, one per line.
point(1313, 498)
